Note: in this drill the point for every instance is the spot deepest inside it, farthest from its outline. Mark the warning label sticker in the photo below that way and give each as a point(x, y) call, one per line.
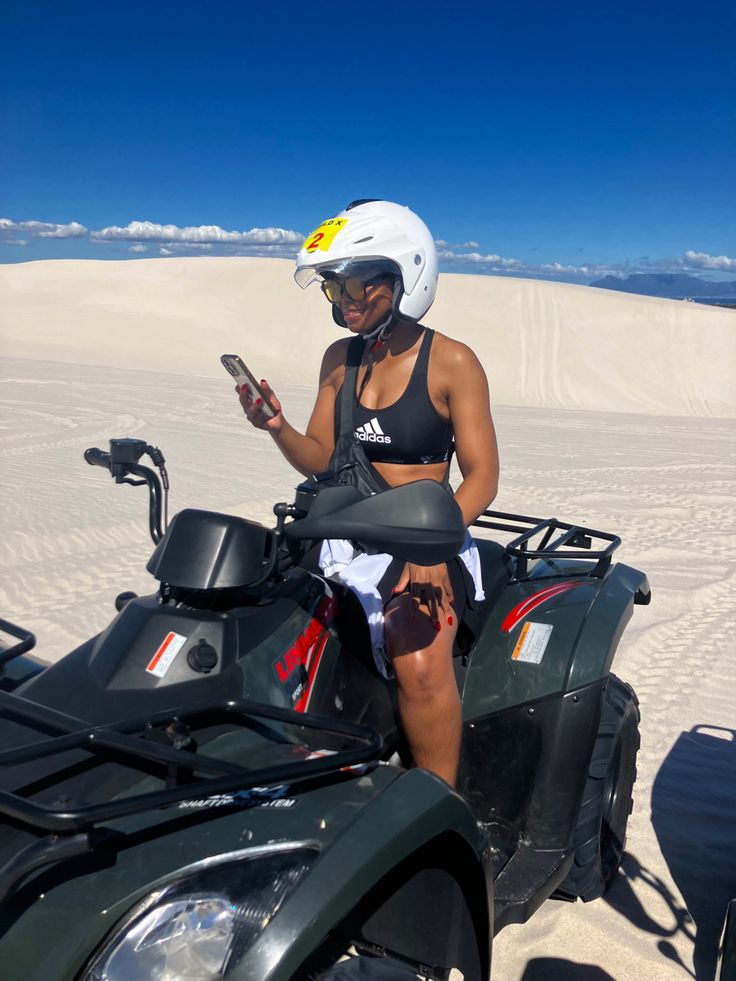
point(532, 642)
point(164, 656)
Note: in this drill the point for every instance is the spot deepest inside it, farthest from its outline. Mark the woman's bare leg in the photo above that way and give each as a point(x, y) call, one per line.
point(429, 702)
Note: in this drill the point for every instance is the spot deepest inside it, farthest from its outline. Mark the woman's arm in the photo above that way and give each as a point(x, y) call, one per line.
point(309, 452)
point(475, 437)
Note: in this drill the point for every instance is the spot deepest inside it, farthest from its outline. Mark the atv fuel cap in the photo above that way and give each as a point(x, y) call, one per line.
point(202, 658)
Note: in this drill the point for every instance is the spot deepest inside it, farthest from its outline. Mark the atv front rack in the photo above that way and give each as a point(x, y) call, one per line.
point(27, 641)
point(71, 828)
point(574, 542)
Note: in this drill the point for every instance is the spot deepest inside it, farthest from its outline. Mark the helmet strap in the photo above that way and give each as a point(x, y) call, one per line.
point(380, 335)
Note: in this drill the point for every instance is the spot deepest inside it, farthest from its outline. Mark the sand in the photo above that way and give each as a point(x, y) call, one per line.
point(612, 410)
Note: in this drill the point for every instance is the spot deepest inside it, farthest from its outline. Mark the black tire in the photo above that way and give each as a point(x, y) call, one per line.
point(727, 951)
point(599, 837)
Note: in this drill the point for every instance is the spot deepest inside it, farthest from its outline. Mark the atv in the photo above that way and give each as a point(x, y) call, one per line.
point(217, 786)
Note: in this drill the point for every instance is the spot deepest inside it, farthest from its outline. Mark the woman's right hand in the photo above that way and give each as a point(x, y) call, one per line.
point(254, 408)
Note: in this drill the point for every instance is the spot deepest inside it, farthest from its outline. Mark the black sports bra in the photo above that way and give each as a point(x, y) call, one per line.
point(411, 430)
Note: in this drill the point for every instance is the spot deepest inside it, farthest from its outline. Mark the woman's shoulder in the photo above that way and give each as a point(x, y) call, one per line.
point(334, 358)
point(452, 355)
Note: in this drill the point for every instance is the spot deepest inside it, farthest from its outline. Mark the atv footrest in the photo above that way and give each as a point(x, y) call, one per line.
point(527, 879)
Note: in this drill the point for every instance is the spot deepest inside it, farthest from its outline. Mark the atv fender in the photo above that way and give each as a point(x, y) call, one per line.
point(413, 812)
point(585, 617)
point(604, 624)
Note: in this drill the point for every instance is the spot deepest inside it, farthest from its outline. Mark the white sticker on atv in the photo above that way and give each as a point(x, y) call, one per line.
point(532, 642)
point(164, 656)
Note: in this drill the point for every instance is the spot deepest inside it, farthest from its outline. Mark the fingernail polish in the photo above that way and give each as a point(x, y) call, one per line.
point(450, 621)
point(437, 626)
point(259, 401)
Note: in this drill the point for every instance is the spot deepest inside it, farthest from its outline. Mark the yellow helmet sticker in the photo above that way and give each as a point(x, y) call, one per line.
point(321, 238)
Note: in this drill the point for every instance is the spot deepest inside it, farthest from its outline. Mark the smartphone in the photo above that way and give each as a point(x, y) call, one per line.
point(236, 367)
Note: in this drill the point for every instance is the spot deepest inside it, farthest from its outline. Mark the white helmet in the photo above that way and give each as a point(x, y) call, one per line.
point(379, 233)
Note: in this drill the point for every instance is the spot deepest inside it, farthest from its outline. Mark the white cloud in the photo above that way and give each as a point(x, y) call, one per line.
point(689, 262)
point(442, 244)
point(701, 260)
point(501, 264)
point(183, 248)
point(42, 229)
point(148, 231)
point(559, 268)
point(478, 259)
point(283, 243)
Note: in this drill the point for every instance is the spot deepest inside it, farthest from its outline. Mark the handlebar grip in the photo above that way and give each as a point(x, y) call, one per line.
point(97, 458)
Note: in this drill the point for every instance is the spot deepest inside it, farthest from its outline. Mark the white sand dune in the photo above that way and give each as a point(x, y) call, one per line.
point(548, 345)
point(612, 410)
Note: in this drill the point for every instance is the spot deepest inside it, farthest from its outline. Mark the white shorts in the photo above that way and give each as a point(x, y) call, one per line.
point(362, 572)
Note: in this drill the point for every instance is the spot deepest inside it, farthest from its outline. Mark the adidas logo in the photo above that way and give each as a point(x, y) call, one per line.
point(371, 432)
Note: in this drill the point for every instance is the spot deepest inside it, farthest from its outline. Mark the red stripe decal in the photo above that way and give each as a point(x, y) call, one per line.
point(161, 651)
point(317, 651)
point(518, 613)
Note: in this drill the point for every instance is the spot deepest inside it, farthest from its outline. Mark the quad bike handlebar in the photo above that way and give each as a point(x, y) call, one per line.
point(97, 458)
point(122, 462)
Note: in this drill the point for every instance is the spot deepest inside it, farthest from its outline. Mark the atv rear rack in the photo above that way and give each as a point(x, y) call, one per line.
point(71, 827)
point(574, 542)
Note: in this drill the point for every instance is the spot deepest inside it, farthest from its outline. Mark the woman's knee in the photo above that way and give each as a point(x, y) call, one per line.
point(424, 673)
point(408, 629)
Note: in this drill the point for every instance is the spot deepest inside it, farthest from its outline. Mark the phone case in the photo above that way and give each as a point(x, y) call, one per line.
point(237, 368)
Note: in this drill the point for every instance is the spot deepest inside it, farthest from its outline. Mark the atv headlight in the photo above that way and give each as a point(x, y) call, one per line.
point(202, 923)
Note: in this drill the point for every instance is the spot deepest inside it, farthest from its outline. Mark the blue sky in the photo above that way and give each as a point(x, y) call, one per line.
point(561, 140)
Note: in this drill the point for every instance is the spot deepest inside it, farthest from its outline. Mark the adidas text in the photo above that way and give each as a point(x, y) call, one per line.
point(371, 432)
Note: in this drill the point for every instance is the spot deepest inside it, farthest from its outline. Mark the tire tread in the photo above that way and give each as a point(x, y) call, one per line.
point(586, 879)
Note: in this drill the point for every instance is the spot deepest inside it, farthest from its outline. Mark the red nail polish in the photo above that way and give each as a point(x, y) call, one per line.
point(259, 401)
point(450, 621)
point(437, 626)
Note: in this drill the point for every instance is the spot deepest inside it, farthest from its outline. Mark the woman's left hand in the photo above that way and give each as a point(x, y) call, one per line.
point(430, 586)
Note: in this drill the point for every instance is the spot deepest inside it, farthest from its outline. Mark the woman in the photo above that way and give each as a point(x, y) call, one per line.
point(420, 396)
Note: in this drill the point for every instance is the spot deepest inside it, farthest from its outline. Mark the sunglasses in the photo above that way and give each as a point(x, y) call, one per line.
point(351, 286)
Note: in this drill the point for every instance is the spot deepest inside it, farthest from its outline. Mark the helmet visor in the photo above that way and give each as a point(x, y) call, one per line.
point(363, 268)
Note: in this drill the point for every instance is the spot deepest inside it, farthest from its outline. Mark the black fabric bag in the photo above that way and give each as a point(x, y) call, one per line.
point(349, 464)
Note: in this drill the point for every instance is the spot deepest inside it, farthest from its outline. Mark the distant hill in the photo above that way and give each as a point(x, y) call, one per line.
point(676, 286)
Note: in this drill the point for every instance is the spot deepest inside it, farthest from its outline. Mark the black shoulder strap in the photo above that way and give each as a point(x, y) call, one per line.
point(355, 356)
point(422, 363)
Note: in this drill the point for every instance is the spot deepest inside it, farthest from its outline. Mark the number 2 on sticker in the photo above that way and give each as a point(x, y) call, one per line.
point(314, 244)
